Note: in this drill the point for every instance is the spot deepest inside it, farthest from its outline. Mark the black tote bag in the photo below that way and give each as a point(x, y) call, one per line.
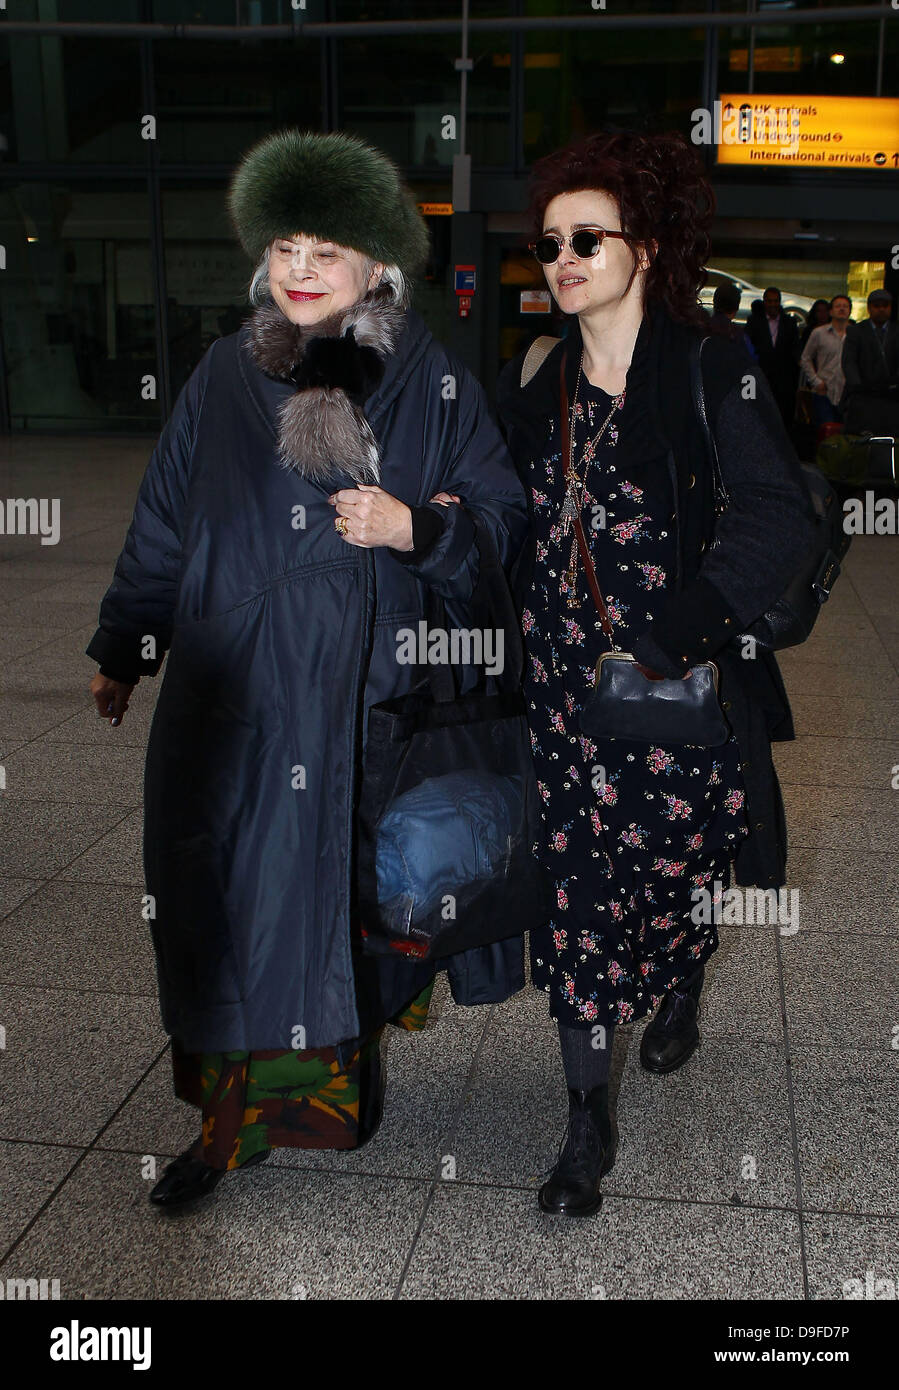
point(449, 810)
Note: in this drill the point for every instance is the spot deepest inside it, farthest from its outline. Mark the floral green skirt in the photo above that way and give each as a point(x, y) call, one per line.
point(273, 1099)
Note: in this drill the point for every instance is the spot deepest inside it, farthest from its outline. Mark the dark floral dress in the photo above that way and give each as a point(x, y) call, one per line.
point(630, 829)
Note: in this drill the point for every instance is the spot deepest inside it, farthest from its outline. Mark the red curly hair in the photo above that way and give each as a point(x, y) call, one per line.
point(662, 194)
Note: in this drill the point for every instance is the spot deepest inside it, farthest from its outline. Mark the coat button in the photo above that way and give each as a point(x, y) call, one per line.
point(705, 641)
point(692, 480)
point(726, 704)
point(727, 622)
point(747, 765)
point(760, 825)
point(702, 548)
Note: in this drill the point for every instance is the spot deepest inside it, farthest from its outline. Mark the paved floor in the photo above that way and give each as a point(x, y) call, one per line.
point(766, 1168)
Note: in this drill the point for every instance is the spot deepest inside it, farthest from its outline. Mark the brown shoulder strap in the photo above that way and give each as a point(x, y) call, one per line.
point(589, 569)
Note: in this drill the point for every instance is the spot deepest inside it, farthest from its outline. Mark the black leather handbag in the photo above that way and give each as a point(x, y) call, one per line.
point(628, 704)
point(790, 620)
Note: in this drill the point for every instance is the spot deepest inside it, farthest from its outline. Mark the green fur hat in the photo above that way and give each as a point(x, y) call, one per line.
point(330, 186)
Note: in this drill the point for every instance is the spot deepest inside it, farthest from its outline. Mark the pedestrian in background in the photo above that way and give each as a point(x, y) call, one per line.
point(821, 362)
point(775, 338)
point(818, 315)
point(871, 368)
point(726, 302)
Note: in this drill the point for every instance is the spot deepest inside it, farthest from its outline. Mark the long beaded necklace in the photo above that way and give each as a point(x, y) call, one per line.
point(573, 503)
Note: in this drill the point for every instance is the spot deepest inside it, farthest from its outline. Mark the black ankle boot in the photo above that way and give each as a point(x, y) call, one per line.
point(673, 1035)
point(586, 1153)
point(187, 1178)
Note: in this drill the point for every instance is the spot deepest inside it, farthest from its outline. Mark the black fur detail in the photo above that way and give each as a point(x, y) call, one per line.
point(340, 363)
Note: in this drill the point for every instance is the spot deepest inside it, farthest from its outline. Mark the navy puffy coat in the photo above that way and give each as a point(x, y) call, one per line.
point(280, 636)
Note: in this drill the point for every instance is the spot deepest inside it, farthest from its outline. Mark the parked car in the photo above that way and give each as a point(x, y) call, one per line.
point(796, 304)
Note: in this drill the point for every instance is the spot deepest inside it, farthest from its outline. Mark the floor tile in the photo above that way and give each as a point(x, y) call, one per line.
point(876, 680)
point(62, 772)
point(846, 1106)
point(27, 716)
point(265, 1234)
point(15, 890)
point(842, 990)
point(425, 1078)
point(846, 891)
point(28, 1175)
point(71, 1058)
point(838, 762)
point(36, 614)
point(673, 1129)
point(80, 936)
point(116, 857)
point(19, 641)
point(849, 1257)
point(816, 715)
point(717, 1130)
point(86, 726)
point(425, 1073)
point(495, 1244)
point(38, 839)
point(841, 818)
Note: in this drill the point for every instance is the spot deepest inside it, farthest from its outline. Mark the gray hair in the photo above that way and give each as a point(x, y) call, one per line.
point(393, 284)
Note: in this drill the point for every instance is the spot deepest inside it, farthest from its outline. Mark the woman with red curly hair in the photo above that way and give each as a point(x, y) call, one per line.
point(633, 831)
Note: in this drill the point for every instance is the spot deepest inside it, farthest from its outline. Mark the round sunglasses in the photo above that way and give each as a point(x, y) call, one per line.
point(584, 243)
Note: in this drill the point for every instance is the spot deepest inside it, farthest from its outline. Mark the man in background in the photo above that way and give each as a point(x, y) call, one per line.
point(726, 302)
point(821, 361)
point(871, 368)
point(775, 337)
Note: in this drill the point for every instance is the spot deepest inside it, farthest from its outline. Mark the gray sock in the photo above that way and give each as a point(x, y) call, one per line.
point(586, 1065)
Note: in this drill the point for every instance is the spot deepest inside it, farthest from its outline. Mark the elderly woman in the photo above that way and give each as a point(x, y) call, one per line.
point(292, 519)
point(605, 430)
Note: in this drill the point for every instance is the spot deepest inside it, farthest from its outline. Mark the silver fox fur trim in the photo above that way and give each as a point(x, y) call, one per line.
point(321, 433)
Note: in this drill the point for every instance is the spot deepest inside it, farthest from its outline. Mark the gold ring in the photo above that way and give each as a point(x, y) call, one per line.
point(341, 525)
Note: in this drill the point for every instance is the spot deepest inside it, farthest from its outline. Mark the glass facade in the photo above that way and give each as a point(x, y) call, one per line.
point(401, 102)
point(575, 83)
point(116, 148)
point(214, 100)
point(206, 274)
point(78, 316)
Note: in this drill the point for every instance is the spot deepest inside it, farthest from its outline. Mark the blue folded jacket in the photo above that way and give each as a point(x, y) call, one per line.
point(447, 834)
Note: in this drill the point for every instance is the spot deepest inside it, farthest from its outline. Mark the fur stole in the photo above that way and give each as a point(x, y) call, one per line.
point(335, 366)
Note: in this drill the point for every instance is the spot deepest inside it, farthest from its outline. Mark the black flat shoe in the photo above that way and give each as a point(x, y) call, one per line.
point(187, 1179)
point(673, 1035)
point(586, 1154)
